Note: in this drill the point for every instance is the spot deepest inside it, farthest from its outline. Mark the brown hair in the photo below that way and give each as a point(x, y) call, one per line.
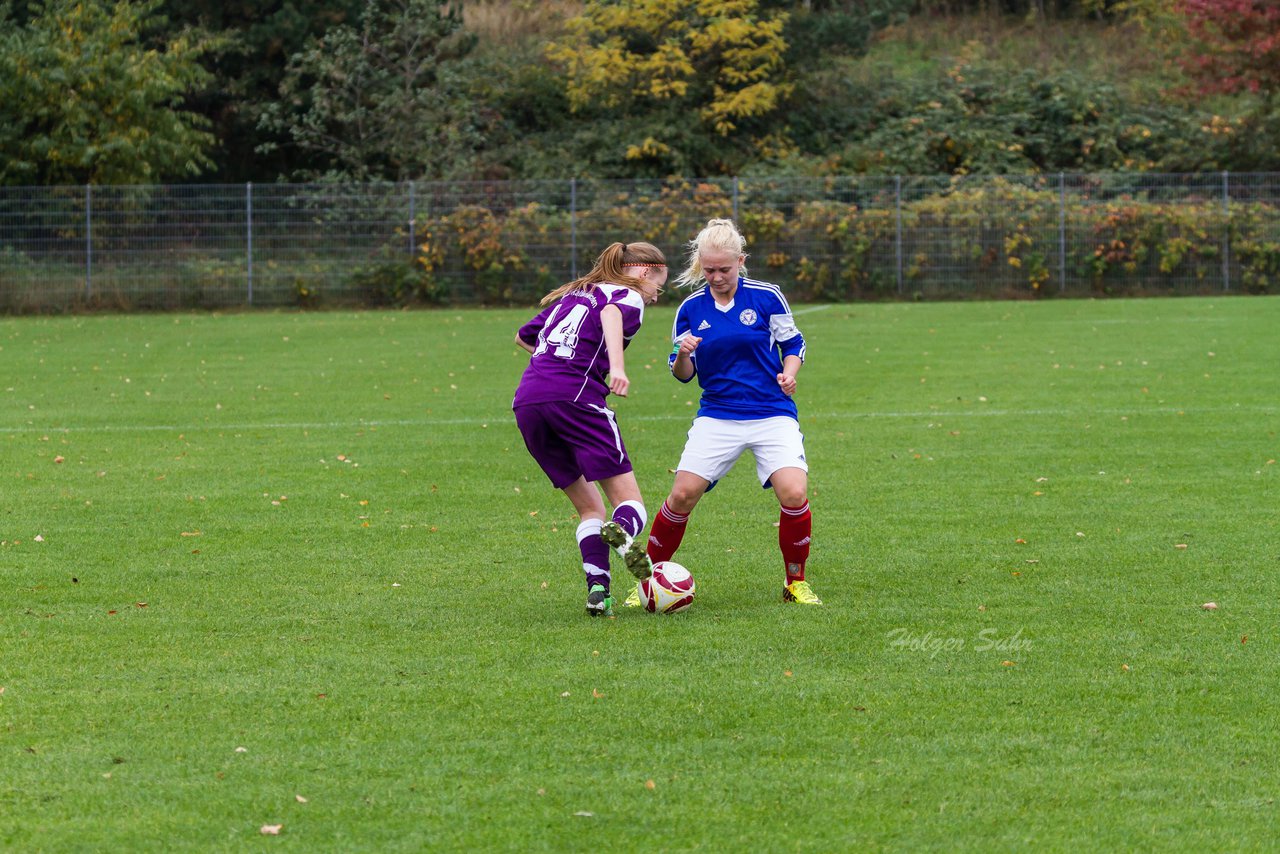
point(608, 268)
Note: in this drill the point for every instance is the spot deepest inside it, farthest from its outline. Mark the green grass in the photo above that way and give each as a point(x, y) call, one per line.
point(352, 570)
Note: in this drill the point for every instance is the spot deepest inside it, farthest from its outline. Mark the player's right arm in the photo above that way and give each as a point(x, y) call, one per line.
point(682, 365)
point(683, 343)
point(527, 335)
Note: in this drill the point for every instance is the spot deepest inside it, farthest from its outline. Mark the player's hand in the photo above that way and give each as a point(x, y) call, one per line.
point(618, 383)
point(787, 384)
point(688, 344)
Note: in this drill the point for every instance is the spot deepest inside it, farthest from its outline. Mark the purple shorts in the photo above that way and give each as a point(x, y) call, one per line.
point(572, 440)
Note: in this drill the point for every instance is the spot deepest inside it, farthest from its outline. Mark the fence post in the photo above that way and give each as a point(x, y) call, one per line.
point(735, 198)
point(412, 222)
point(1062, 233)
point(248, 216)
point(1226, 232)
point(573, 229)
point(88, 242)
point(897, 205)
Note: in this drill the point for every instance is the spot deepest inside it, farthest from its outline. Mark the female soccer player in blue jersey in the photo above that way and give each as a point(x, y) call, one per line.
point(738, 337)
point(576, 343)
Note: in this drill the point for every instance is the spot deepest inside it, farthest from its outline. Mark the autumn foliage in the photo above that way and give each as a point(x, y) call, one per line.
point(1236, 45)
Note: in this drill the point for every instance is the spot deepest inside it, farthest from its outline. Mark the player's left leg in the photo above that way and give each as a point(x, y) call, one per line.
point(795, 530)
point(781, 464)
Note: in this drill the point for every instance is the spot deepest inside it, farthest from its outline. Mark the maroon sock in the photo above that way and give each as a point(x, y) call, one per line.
point(665, 534)
point(795, 525)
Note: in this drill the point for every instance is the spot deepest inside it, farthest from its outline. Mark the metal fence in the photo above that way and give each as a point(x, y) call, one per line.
point(845, 238)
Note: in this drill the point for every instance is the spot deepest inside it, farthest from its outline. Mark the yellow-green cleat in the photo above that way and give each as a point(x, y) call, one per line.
point(633, 598)
point(801, 592)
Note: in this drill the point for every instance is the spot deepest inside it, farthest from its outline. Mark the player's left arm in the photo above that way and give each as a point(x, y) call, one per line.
point(611, 322)
point(782, 326)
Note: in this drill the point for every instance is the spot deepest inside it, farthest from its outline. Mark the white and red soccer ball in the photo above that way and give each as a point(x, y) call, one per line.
point(669, 590)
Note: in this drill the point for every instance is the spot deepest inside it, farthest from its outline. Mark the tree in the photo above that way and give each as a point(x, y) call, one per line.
point(694, 86)
point(85, 99)
point(374, 101)
point(255, 42)
point(1236, 45)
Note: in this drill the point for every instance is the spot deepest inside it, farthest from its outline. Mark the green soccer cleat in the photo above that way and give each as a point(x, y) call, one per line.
point(599, 602)
point(631, 549)
point(633, 598)
point(801, 592)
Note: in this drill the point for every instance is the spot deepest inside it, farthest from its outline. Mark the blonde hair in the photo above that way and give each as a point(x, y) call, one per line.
point(608, 268)
point(718, 235)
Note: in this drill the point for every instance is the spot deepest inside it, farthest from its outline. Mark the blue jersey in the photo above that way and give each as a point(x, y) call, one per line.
point(743, 345)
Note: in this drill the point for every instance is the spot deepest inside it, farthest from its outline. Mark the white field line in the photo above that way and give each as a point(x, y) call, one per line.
point(504, 417)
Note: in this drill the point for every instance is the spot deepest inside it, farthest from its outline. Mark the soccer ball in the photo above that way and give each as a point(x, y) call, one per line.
point(669, 590)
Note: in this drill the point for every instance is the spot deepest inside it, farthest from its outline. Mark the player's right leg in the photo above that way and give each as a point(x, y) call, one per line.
point(622, 531)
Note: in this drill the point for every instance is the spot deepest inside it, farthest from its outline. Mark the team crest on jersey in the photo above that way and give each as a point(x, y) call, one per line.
point(748, 316)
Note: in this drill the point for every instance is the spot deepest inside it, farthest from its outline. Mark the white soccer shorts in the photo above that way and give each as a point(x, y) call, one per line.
point(715, 444)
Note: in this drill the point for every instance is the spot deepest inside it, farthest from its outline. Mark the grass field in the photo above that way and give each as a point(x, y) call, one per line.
point(298, 570)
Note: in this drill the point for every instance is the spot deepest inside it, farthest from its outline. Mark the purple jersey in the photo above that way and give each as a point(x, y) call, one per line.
point(570, 362)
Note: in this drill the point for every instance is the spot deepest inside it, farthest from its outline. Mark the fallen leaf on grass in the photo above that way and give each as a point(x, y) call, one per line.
point(59, 459)
point(585, 814)
point(1008, 664)
point(140, 604)
point(1180, 546)
point(271, 829)
point(1210, 606)
point(1020, 541)
point(300, 799)
point(650, 785)
point(190, 534)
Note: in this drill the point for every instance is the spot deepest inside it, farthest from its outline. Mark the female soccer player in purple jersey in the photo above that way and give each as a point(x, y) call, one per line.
point(577, 342)
point(738, 337)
